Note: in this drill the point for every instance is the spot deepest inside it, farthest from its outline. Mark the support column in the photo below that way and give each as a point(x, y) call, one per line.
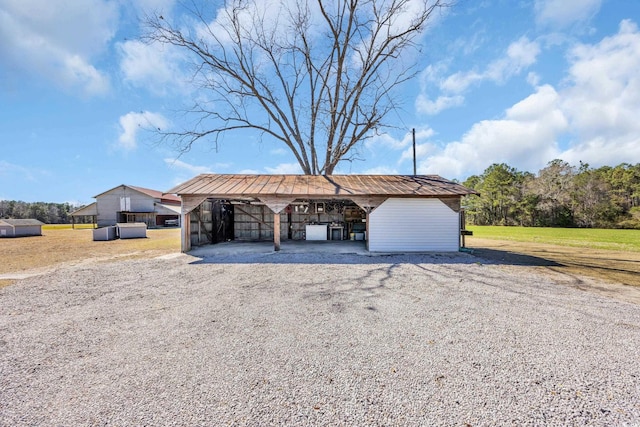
point(366, 228)
point(276, 231)
point(185, 242)
point(189, 203)
point(277, 205)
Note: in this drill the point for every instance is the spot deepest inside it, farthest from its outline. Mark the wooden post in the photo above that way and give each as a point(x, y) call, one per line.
point(186, 232)
point(276, 204)
point(366, 228)
point(276, 231)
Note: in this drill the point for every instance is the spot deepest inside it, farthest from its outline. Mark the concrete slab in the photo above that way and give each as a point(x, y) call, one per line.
point(288, 246)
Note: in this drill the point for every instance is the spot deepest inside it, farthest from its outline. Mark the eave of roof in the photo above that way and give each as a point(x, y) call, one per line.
point(320, 186)
point(164, 209)
point(91, 209)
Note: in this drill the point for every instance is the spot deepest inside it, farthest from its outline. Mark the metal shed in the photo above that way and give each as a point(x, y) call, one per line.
point(132, 230)
point(20, 227)
point(396, 213)
point(105, 233)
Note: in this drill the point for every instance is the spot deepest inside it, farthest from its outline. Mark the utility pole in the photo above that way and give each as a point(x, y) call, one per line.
point(414, 151)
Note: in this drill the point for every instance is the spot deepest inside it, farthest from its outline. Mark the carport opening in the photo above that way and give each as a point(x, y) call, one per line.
point(216, 220)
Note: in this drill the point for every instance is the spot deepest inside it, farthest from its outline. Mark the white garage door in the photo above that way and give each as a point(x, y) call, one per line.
point(413, 225)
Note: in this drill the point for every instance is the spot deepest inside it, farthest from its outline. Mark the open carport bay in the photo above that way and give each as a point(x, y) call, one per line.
point(314, 339)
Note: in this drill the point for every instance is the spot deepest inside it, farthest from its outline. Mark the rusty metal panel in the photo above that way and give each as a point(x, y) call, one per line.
point(318, 186)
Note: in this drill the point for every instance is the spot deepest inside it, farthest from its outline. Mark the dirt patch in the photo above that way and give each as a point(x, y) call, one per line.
point(25, 255)
point(615, 273)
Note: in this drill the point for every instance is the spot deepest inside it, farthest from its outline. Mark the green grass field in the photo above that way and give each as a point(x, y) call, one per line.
point(620, 240)
point(65, 226)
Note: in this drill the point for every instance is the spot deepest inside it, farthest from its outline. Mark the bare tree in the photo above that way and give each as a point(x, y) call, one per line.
point(317, 75)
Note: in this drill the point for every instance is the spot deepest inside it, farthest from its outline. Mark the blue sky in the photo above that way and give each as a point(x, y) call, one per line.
point(515, 81)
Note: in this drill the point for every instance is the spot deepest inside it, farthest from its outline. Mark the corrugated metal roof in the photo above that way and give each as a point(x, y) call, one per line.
point(157, 194)
point(164, 197)
point(320, 186)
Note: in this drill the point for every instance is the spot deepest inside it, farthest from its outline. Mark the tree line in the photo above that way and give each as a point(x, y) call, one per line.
point(49, 213)
point(560, 195)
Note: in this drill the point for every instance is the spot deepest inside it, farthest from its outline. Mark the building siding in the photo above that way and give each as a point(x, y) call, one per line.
point(28, 230)
point(108, 204)
point(6, 230)
point(20, 228)
point(413, 225)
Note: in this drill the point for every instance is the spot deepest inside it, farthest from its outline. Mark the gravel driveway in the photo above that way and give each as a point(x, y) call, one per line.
point(300, 339)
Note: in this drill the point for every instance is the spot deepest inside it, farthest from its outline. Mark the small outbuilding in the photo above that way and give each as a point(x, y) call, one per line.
point(105, 233)
point(20, 227)
point(391, 213)
point(132, 230)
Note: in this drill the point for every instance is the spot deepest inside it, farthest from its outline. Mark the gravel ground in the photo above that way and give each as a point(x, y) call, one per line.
point(300, 339)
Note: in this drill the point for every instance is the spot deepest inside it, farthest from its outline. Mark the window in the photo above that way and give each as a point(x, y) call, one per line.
point(125, 204)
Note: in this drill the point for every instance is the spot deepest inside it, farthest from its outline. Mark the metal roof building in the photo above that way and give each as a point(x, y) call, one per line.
point(128, 203)
point(394, 213)
point(20, 227)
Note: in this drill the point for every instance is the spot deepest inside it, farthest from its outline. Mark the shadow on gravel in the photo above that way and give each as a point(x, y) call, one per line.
point(350, 259)
point(512, 258)
point(483, 256)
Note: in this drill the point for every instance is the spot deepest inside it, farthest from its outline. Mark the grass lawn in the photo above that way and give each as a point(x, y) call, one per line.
point(66, 226)
point(595, 238)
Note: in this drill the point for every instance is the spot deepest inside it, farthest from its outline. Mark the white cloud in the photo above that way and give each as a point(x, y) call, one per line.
point(58, 40)
point(178, 164)
point(131, 123)
point(13, 172)
point(520, 55)
point(425, 105)
point(603, 98)
point(154, 66)
point(151, 6)
point(422, 151)
point(285, 168)
point(388, 141)
point(406, 16)
point(268, 16)
point(80, 73)
point(526, 137)
point(380, 170)
point(592, 117)
point(560, 14)
point(533, 79)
